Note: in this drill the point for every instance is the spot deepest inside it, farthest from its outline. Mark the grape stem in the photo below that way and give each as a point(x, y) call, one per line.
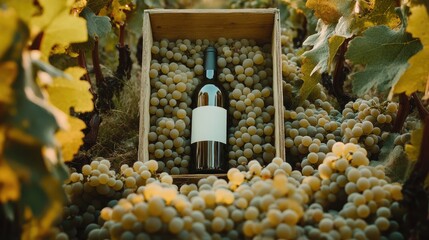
point(125, 63)
point(96, 62)
point(423, 112)
point(81, 59)
point(403, 111)
point(35, 45)
point(339, 76)
point(415, 198)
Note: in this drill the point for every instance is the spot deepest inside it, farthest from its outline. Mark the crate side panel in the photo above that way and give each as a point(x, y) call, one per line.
point(212, 25)
point(143, 153)
point(278, 90)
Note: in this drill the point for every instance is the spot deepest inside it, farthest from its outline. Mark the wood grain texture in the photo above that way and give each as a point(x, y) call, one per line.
point(212, 24)
point(144, 128)
point(262, 25)
point(279, 136)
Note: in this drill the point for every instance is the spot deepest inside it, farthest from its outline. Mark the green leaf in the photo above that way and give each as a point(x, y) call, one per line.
point(98, 26)
point(96, 5)
point(319, 59)
point(34, 119)
point(384, 52)
point(39, 198)
point(320, 42)
point(8, 211)
point(135, 18)
point(388, 145)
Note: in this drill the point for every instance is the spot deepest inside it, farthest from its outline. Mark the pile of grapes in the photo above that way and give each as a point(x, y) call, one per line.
point(328, 187)
point(245, 71)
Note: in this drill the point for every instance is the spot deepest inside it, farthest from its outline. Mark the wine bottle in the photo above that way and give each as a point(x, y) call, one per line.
point(209, 121)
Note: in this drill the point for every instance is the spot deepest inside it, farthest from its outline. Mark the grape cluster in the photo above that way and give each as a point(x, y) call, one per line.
point(360, 200)
point(310, 131)
point(313, 128)
point(244, 69)
point(340, 198)
point(96, 187)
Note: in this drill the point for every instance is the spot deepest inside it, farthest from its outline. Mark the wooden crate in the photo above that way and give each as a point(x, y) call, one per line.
point(262, 25)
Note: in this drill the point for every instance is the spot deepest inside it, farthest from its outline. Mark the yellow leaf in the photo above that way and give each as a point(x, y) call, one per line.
point(71, 93)
point(335, 43)
point(418, 24)
point(416, 76)
point(8, 73)
point(71, 139)
point(66, 94)
point(413, 149)
point(328, 10)
point(59, 26)
point(9, 184)
point(310, 79)
point(25, 9)
point(8, 25)
point(2, 140)
point(118, 13)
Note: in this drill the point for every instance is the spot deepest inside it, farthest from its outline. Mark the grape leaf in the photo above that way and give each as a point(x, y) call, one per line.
point(65, 93)
point(59, 26)
point(23, 8)
point(413, 149)
point(135, 19)
point(384, 52)
point(319, 59)
point(8, 25)
point(71, 139)
point(381, 12)
point(320, 42)
point(330, 10)
point(9, 183)
point(335, 43)
point(97, 5)
point(8, 74)
point(116, 11)
point(417, 75)
point(423, 2)
point(98, 26)
point(36, 227)
point(310, 80)
point(34, 120)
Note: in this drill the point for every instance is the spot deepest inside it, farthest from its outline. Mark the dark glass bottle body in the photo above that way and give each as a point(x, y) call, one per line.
point(209, 121)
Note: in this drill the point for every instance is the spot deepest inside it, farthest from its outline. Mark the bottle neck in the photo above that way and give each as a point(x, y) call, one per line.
point(210, 63)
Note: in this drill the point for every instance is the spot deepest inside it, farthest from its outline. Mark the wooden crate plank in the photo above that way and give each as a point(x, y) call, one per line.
point(144, 128)
point(212, 24)
point(278, 90)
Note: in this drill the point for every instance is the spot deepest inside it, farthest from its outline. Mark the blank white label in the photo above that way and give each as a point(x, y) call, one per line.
point(208, 124)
